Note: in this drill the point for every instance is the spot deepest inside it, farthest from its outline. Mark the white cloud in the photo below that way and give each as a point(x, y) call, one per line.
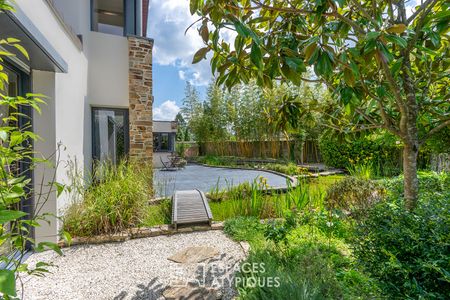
point(168, 21)
point(166, 111)
point(182, 74)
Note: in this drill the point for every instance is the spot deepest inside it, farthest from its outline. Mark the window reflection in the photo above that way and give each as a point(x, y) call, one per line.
point(110, 134)
point(108, 16)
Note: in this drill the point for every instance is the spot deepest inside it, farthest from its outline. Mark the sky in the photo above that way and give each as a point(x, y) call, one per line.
point(173, 52)
point(172, 56)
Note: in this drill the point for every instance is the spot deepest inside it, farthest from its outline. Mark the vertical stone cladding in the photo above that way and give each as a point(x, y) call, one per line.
point(141, 98)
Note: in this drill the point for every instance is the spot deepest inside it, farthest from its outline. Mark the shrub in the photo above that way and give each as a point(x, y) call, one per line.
point(380, 152)
point(408, 252)
point(288, 169)
point(117, 201)
point(309, 270)
point(429, 183)
point(353, 195)
point(243, 228)
point(273, 280)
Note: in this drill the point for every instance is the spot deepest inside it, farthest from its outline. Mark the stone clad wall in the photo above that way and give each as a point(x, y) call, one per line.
point(140, 97)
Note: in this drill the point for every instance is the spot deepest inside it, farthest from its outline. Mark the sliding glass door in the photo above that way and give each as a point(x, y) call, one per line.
point(110, 134)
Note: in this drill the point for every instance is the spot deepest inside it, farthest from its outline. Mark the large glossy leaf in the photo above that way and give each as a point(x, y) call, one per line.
point(10, 215)
point(200, 54)
point(256, 56)
point(7, 283)
point(398, 40)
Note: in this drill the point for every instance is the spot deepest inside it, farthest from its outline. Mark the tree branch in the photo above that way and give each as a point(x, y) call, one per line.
point(435, 130)
point(418, 11)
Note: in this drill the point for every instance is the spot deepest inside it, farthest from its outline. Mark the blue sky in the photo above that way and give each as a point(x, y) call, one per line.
point(172, 56)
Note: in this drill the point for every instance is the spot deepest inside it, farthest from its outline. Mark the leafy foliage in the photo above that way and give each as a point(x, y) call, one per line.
point(277, 232)
point(354, 195)
point(386, 69)
point(250, 113)
point(380, 152)
point(311, 267)
point(407, 252)
point(17, 158)
point(243, 228)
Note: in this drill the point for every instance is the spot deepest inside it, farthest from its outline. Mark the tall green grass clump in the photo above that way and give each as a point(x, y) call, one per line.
point(116, 199)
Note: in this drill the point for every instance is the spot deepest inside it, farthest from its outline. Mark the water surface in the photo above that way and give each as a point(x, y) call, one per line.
point(207, 178)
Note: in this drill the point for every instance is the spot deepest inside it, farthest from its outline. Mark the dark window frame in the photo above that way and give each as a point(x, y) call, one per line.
point(171, 142)
point(129, 17)
point(126, 129)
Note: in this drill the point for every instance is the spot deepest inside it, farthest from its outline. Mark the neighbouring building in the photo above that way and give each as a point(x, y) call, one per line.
point(94, 62)
point(164, 139)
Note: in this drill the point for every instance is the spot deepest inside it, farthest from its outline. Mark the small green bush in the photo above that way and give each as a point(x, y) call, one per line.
point(243, 228)
point(429, 183)
point(273, 281)
point(408, 252)
point(290, 169)
point(354, 195)
point(308, 270)
point(117, 200)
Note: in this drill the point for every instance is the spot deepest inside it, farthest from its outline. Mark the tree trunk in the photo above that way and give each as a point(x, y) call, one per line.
point(411, 182)
point(409, 132)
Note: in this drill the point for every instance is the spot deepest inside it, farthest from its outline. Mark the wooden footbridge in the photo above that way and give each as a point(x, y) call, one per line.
point(190, 207)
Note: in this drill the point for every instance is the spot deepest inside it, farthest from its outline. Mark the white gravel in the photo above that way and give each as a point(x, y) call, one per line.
point(135, 269)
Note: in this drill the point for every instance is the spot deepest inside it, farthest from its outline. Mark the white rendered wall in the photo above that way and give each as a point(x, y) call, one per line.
point(75, 13)
point(69, 97)
point(108, 70)
point(44, 124)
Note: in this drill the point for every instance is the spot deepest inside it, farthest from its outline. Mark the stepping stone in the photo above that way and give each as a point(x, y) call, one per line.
point(191, 293)
point(194, 255)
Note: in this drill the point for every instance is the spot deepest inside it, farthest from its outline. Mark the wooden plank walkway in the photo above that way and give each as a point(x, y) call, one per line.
point(190, 207)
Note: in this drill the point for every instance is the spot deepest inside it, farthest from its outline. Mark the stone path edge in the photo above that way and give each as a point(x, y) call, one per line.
point(145, 232)
point(136, 233)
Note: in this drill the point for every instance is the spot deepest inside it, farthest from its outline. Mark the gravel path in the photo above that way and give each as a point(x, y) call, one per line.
point(135, 269)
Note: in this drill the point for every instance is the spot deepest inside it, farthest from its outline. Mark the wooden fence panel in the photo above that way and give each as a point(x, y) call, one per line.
point(308, 152)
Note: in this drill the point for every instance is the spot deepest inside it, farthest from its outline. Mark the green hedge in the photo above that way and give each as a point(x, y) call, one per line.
point(382, 153)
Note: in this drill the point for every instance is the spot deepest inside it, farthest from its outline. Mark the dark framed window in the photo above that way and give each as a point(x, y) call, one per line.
point(163, 141)
point(117, 17)
point(108, 16)
point(110, 134)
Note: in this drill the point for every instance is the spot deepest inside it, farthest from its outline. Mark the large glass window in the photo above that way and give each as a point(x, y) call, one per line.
point(163, 142)
point(108, 16)
point(110, 134)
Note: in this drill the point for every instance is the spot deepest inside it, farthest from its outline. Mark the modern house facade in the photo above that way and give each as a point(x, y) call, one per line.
point(92, 59)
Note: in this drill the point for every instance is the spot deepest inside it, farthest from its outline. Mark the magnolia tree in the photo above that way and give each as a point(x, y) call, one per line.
point(386, 62)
